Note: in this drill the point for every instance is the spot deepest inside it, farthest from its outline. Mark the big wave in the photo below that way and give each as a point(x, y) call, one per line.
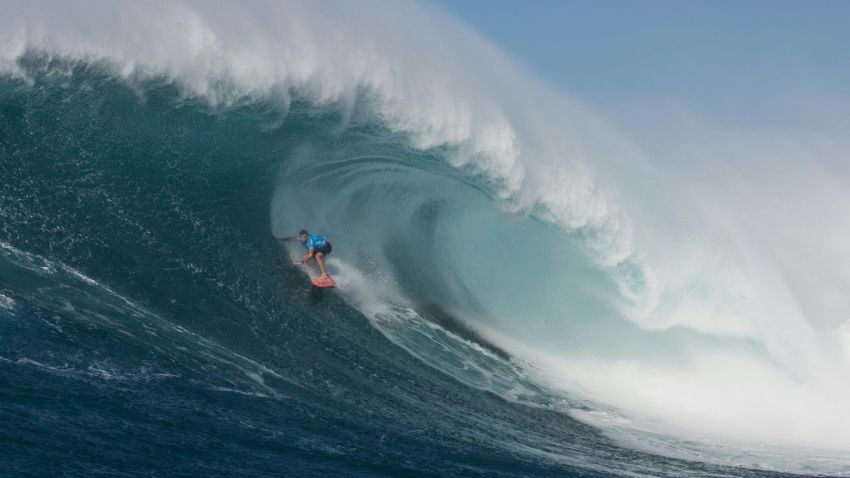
point(490, 226)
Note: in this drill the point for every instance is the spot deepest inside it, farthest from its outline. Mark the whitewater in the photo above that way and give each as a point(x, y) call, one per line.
point(524, 288)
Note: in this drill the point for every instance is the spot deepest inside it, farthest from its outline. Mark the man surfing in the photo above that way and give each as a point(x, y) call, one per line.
point(317, 246)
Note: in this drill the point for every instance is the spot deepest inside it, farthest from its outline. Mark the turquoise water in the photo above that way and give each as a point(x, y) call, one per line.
point(151, 325)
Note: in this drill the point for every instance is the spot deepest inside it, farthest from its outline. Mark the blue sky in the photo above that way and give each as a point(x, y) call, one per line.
point(755, 58)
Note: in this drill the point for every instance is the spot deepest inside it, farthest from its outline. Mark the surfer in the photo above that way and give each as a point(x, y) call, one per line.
point(317, 246)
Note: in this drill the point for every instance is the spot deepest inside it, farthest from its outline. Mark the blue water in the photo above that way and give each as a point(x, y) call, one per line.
point(151, 325)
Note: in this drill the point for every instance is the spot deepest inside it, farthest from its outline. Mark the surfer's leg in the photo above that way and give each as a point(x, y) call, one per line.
point(320, 259)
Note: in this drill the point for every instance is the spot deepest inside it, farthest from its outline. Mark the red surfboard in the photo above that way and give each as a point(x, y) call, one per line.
point(323, 283)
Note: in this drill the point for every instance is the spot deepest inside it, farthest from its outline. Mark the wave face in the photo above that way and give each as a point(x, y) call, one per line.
point(511, 300)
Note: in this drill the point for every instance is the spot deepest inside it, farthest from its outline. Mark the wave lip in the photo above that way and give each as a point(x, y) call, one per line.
point(454, 93)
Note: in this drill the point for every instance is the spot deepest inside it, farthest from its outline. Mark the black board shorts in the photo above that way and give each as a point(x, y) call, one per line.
point(325, 250)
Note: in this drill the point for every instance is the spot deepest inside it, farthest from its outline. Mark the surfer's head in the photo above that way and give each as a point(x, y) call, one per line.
point(302, 235)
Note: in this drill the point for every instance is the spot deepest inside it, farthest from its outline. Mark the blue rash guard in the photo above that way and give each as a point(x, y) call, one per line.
point(315, 242)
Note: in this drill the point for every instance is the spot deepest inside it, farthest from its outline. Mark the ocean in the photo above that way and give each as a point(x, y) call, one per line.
point(491, 293)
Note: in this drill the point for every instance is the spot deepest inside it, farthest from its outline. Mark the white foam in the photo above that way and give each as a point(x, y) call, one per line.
point(843, 335)
point(7, 303)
